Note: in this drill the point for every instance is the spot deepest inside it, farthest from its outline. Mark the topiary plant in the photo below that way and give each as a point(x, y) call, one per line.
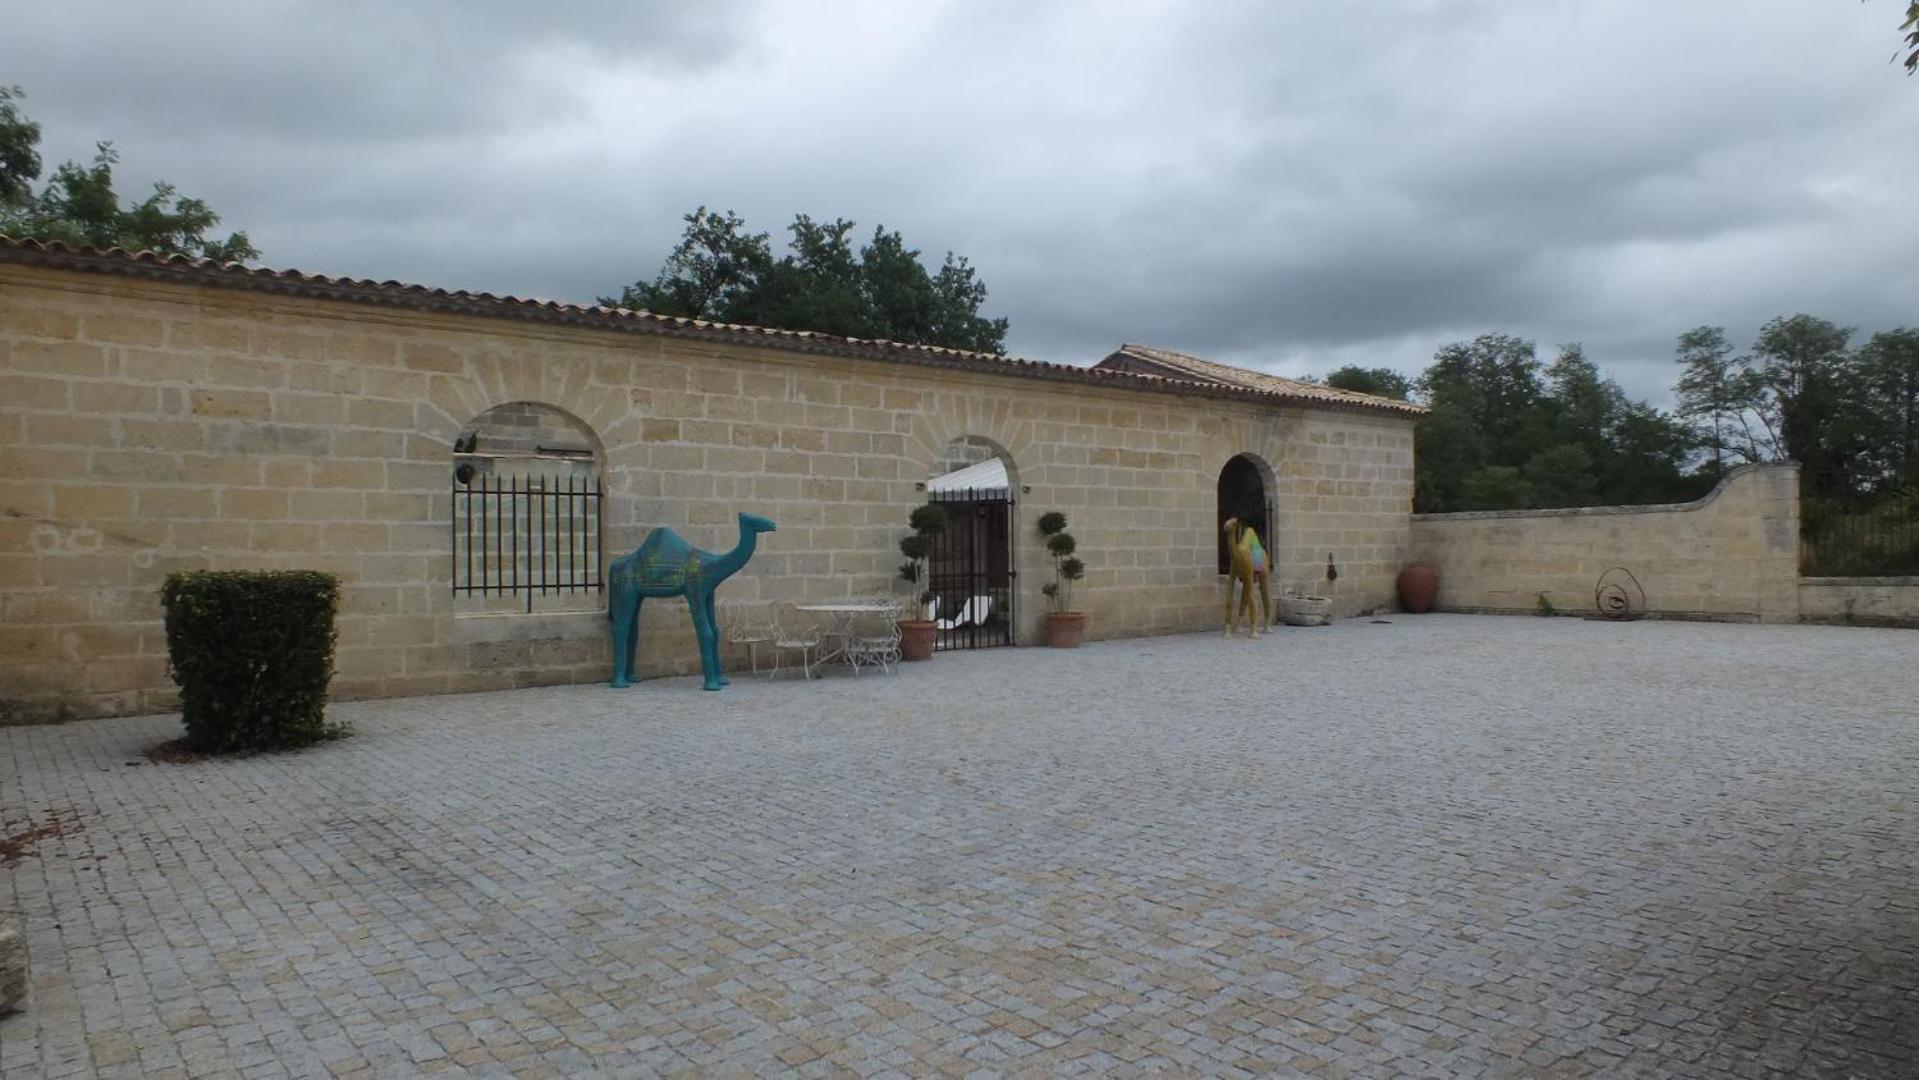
point(928, 522)
point(253, 654)
point(1066, 567)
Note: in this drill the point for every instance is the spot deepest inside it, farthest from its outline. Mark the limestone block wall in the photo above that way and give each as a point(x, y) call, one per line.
point(1881, 601)
point(1733, 554)
point(150, 426)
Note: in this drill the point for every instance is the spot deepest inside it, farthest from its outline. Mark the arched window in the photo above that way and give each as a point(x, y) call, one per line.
point(527, 497)
point(1242, 495)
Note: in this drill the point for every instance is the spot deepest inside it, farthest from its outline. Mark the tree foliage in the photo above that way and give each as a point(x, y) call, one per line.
point(1804, 366)
point(1724, 401)
point(1507, 433)
point(1888, 375)
point(1378, 381)
point(1911, 29)
point(78, 204)
point(722, 272)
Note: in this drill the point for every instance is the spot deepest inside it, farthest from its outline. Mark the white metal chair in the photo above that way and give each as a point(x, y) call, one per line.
point(876, 645)
point(794, 631)
point(743, 629)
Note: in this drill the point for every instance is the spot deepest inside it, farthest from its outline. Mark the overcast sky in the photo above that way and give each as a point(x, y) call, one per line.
point(1289, 186)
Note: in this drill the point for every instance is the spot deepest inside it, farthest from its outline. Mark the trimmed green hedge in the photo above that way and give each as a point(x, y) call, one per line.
point(253, 653)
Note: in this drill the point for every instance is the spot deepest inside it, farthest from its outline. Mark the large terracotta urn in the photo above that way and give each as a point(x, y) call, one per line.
point(1418, 588)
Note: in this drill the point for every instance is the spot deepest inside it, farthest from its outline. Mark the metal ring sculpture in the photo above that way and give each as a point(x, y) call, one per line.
point(1618, 595)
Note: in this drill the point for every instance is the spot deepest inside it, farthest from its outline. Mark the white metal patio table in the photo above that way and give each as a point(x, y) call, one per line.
point(842, 616)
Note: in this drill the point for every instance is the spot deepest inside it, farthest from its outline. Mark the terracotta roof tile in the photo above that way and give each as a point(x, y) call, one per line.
point(209, 273)
point(1165, 363)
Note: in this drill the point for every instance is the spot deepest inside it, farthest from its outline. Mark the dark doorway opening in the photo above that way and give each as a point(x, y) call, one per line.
point(971, 570)
point(1242, 495)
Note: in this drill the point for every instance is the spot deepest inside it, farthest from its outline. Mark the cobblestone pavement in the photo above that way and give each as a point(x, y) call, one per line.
point(1447, 845)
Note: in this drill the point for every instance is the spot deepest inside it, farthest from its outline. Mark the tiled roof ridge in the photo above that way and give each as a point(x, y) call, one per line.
point(1213, 370)
point(202, 271)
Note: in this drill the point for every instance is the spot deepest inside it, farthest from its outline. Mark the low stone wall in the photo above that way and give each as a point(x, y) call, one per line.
point(1732, 555)
point(1882, 601)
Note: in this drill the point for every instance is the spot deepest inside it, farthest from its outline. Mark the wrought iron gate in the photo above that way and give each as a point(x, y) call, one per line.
point(971, 570)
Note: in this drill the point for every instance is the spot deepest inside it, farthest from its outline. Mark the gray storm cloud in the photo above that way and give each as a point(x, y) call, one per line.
point(1287, 186)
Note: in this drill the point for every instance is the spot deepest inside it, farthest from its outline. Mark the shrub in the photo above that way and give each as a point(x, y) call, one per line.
point(253, 653)
point(927, 521)
point(1066, 569)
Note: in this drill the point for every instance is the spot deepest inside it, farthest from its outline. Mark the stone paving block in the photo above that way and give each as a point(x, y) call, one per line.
point(1443, 846)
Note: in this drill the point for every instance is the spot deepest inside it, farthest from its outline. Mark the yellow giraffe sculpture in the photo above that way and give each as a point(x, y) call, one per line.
point(1249, 569)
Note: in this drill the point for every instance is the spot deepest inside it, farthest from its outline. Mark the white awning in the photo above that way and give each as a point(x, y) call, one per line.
point(986, 479)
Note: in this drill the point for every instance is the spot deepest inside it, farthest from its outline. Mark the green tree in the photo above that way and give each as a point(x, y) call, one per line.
point(1723, 400)
point(1497, 487)
point(1503, 433)
point(79, 206)
point(956, 319)
point(1889, 372)
point(1378, 381)
point(1479, 393)
point(1911, 28)
point(816, 287)
point(713, 265)
point(1804, 365)
point(1560, 476)
point(1583, 404)
point(19, 152)
point(1447, 449)
point(1650, 451)
point(722, 272)
point(1492, 380)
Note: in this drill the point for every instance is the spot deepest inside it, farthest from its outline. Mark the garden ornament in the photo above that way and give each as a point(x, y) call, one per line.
point(1618, 594)
point(1249, 567)
point(666, 565)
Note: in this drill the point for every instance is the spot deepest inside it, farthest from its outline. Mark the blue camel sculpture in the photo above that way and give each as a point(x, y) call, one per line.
point(666, 565)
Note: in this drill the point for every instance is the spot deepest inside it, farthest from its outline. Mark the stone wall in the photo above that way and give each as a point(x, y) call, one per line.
point(1733, 554)
point(1882, 601)
point(151, 426)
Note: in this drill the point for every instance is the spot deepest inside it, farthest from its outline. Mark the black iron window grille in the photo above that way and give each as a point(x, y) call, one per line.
point(527, 535)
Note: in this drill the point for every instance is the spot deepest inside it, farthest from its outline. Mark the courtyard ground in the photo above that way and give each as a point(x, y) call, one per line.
point(1441, 845)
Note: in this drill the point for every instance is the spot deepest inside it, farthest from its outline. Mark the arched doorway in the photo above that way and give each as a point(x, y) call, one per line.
point(971, 566)
point(1242, 494)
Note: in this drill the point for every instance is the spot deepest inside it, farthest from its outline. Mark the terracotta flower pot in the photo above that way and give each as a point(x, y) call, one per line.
point(916, 639)
point(1064, 628)
point(1418, 588)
